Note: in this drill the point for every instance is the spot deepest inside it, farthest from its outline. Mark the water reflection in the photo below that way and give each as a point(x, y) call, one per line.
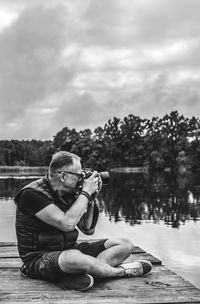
point(153, 197)
point(134, 198)
point(9, 186)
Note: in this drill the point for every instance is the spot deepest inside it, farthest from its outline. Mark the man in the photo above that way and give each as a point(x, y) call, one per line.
point(48, 210)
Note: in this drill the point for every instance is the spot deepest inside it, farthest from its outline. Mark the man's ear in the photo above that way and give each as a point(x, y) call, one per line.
point(62, 177)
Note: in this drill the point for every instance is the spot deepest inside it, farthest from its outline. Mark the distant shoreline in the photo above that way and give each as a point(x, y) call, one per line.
point(28, 171)
point(23, 170)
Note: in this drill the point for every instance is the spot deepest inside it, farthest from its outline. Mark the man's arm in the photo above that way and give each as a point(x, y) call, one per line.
point(89, 219)
point(54, 216)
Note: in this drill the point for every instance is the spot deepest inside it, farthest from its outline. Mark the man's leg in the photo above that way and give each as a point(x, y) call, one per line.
point(116, 251)
point(74, 261)
point(106, 263)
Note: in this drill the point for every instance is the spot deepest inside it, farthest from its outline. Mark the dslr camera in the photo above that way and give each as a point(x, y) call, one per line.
point(87, 173)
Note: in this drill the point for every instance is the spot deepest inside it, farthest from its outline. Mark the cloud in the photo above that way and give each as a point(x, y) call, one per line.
point(30, 69)
point(79, 63)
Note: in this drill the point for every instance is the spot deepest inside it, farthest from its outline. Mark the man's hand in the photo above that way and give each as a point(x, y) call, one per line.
point(93, 183)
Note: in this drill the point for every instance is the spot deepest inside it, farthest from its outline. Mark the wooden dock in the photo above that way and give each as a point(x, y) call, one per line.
point(160, 286)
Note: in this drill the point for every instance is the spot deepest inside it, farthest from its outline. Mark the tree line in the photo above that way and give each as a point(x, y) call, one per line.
point(24, 152)
point(155, 143)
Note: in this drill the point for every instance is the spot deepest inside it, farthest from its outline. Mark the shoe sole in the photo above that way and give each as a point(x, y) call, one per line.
point(91, 283)
point(74, 282)
point(146, 265)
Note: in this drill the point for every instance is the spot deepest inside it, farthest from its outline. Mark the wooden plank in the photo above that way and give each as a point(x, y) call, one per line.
point(97, 301)
point(144, 256)
point(158, 278)
point(97, 295)
point(2, 244)
point(8, 252)
point(13, 286)
point(137, 249)
point(10, 263)
point(160, 286)
point(149, 257)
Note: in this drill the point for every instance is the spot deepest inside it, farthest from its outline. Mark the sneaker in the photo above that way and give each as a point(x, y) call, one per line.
point(137, 268)
point(79, 282)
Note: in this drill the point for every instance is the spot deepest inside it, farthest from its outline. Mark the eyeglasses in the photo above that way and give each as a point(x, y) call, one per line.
point(79, 175)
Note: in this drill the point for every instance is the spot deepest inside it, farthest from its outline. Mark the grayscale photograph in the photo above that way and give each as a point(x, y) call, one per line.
point(99, 151)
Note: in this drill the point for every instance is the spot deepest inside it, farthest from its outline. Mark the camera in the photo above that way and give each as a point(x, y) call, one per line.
point(87, 173)
point(104, 176)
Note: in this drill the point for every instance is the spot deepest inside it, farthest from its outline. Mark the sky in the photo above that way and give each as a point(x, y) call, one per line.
point(76, 64)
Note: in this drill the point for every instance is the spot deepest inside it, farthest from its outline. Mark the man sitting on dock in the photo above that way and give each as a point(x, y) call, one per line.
point(48, 211)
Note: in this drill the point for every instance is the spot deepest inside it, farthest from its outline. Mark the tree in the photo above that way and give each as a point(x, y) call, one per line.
point(64, 139)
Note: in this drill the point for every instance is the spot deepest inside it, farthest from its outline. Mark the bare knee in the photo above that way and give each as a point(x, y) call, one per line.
point(72, 261)
point(125, 242)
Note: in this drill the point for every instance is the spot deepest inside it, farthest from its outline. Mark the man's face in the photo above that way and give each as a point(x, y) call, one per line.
point(71, 176)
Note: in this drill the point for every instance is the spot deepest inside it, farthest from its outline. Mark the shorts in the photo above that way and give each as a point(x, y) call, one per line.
point(46, 267)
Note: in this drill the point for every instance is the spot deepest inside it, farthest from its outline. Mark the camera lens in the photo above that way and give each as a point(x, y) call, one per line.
point(105, 177)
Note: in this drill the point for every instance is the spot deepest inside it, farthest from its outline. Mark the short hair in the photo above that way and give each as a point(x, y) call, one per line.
point(61, 159)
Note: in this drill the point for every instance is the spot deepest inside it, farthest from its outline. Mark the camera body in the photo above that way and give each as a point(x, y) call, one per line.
point(87, 173)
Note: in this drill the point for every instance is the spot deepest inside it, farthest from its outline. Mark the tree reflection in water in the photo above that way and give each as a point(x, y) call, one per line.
point(154, 197)
point(157, 196)
point(10, 186)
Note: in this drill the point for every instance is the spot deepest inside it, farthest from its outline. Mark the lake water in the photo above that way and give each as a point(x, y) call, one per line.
point(159, 212)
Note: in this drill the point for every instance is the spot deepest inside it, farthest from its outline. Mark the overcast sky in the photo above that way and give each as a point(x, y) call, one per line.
point(77, 63)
